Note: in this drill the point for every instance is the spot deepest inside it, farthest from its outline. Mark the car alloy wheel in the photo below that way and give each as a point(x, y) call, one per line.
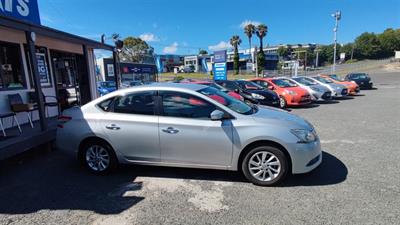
point(264, 166)
point(282, 102)
point(97, 158)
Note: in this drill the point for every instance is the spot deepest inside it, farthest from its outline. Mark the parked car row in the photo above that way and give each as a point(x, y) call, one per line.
point(286, 92)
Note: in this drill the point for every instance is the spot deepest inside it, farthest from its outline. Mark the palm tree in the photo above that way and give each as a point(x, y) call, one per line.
point(261, 32)
point(249, 30)
point(235, 41)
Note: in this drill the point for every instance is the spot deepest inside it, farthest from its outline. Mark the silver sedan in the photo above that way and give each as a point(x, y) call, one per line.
point(188, 125)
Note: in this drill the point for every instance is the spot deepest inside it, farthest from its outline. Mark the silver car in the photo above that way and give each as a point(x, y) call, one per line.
point(317, 91)
point(189, 125)
point(338, 90)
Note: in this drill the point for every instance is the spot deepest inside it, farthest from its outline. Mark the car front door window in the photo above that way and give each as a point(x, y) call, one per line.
point(183, 105)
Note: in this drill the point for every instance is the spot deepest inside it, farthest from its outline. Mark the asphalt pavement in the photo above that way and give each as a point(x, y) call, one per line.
point(357, 183)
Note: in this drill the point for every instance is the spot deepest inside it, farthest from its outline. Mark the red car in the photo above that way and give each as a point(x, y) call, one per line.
point(216, 86)
point(290, 94)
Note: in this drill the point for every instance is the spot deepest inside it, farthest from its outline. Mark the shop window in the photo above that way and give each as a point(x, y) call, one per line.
point(43, 66)
point(11, 70)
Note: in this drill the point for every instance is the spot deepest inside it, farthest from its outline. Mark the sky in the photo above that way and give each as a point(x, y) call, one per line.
point(184, 27)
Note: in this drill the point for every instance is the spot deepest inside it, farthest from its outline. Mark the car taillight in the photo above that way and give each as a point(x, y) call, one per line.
point(62, 120)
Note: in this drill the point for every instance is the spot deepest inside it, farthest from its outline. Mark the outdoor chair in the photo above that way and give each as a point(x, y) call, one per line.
point(7, 115)
point(18, 106)
point(47, 104)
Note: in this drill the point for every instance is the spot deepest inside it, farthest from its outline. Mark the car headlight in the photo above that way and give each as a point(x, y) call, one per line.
point(257, 96)
point(304, 136)
point(291, 92)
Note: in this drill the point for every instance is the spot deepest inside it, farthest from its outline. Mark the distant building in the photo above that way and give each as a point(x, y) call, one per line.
point(201, 63)
point(129, 71)
point(167, 63)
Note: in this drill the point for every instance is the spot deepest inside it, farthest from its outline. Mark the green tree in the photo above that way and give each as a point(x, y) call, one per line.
point(203, 52)
point(389, 41)
point(348, 49)
point(249, 30)
point(368, 46)
point(135, 50)
point(261, 32)
point(235, 41)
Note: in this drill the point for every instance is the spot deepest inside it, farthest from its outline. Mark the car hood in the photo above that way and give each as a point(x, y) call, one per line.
point(299, 90)
point(269, 115)
point(336, 86)
point(320, 87)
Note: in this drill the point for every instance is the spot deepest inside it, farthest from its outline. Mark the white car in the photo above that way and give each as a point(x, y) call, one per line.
point(189, 125)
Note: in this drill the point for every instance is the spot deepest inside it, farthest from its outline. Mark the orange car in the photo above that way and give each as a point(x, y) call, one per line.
point(352, 86)
point(290, 94)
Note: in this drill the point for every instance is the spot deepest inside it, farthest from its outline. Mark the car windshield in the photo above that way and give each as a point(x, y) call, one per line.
point(335, 77)
point(305, 81)
point(284, 83)
point(108, 84)
point(362, 76)
point(250, 85)
point(228, 101)
point(323, 80)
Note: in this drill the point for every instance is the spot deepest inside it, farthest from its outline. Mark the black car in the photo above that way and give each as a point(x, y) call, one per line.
point(251, 92)
point(362, 79)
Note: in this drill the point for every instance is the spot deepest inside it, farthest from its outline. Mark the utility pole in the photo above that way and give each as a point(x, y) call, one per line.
point(255, 52)
point(352, 51)
point(338, 16)
point(317, 57)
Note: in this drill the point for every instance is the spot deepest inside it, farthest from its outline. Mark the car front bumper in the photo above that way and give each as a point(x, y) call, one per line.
point(306, 157)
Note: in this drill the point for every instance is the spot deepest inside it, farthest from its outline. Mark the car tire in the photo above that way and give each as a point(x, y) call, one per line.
point(282, 102)
point(98, 157)
point(265, 165)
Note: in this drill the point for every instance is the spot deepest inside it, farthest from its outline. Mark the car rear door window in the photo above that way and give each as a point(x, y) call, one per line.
point(141, 103)
point(176, 104)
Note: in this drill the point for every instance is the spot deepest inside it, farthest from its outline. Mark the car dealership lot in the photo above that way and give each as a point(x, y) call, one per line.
point(357, 183)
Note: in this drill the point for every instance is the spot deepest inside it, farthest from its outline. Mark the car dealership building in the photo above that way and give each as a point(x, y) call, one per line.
point(41, 65)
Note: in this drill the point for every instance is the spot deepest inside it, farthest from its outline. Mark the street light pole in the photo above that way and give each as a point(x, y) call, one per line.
point(337, 16)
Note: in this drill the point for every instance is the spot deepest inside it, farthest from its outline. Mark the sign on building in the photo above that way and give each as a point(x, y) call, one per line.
point(220, 72)
point(42, 69)
point(110, 70)
point(26, 10)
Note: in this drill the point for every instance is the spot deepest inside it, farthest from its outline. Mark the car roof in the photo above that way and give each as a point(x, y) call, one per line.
point(164, 85)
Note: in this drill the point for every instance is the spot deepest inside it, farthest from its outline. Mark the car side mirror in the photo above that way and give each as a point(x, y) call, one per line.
point(271, 88)
point(236, 90)
point(217, 115)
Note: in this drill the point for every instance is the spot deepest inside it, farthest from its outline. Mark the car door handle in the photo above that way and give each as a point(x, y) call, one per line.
point(113, 127)
point(170, 130)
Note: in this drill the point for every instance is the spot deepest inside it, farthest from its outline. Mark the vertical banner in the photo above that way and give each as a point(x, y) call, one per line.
point(42, 69)
point(219, 69)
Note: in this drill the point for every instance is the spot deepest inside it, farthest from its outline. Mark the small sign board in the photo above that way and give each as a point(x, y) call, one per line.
point(219, 68)
point(42, 69)
point(110, 70)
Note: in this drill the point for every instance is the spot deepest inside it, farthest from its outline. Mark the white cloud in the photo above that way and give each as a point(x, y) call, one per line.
point(246, 22)
point(220, 46)
point(149, 37)
point(171, 49)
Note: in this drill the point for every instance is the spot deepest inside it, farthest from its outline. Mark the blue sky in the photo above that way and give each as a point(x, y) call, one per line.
point(182, 27)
